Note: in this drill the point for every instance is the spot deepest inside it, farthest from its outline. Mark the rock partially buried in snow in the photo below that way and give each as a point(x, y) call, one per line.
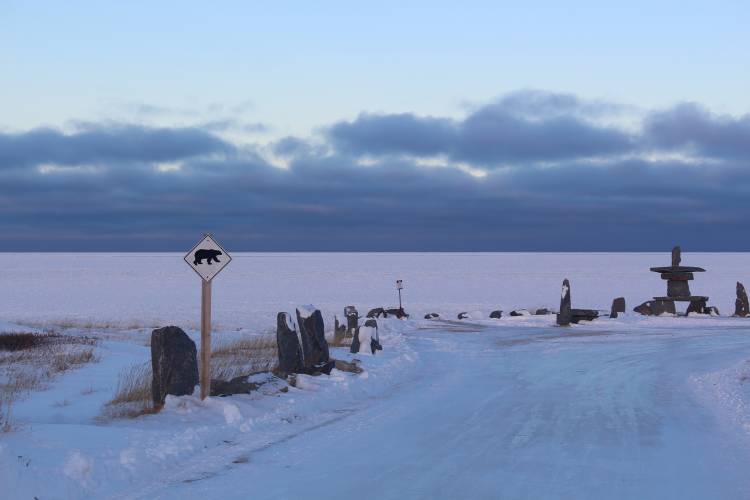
point(497, 314)
point(431, 316)
point(237, 385)
point(288, 345)
point(577, 315)
point(377, 313)
point(398, 312)
point(618, 306)
point(741, 307)
point(463, 315)
point(174, 364)
point(520, 312)
point(564, 317)
point(541, 312)
point(656, 308)
point(314, 345)
point(345, 366)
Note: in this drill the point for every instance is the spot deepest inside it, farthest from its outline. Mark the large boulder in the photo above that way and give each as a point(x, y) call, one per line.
point(288, 344)
point(618, 306)
point(741, 307)
point(174, 364)
point(564, 317)
point(312, 333)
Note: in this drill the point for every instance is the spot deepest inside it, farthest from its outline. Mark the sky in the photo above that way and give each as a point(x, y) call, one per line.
point(338, 126)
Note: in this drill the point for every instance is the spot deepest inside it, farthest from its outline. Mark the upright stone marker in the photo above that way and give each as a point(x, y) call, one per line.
point(741, 306)
point(207, 259)
point(564, 316)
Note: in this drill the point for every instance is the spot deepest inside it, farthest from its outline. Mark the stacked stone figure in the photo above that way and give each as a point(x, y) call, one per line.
point(678, 289)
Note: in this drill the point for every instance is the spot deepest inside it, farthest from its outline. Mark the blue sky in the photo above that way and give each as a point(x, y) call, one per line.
point(431, 117)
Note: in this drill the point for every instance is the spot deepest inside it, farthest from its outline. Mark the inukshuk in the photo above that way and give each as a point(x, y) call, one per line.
point(678, 288)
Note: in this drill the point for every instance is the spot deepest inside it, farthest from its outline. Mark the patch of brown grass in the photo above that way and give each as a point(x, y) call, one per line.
point(245, 356)
point(132, 396)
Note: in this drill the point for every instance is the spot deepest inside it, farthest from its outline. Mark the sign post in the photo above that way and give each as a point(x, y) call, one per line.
point(207, 259)
point(399, 287)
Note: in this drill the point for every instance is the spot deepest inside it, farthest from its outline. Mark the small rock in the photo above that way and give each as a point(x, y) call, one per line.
point(431, 316)
point(377, 313)
point(520, 312)
point(497, 314)
point(463, 315)
point(345, 366)
point(541, 312)
point(398, 312)
point(577, 315)
point(618, 306)
point(238, 385)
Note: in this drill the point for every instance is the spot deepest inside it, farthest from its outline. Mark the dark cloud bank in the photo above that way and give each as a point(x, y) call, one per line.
point(557, 175)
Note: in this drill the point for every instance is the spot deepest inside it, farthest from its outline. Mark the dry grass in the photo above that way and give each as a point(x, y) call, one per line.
point(30, 360)
point(132, 396)
point(245, 356)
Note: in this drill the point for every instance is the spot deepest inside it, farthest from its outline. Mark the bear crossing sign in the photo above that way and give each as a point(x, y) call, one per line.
point(207, 258)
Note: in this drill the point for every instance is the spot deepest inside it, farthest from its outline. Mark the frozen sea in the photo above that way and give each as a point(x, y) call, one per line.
point(514, 408)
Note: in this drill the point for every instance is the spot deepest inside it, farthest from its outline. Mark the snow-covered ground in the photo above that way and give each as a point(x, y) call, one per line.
point(631, 407)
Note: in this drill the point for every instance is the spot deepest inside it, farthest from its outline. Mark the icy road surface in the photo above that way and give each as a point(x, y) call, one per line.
point(526, 413)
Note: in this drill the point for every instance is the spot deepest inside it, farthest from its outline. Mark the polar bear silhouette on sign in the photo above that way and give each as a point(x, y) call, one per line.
point(206, 253)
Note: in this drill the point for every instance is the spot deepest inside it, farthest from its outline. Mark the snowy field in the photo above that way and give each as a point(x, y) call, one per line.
point(632, 407)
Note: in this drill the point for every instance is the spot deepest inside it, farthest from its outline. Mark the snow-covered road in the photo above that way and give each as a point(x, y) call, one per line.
point(526, 413)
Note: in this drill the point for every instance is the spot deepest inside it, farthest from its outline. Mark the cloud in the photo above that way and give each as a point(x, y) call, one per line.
point(107, 143)
point(691, 128)
point(368, 184)
point(522, 127)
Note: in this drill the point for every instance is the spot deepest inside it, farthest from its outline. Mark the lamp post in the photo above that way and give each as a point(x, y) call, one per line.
point(399, 287)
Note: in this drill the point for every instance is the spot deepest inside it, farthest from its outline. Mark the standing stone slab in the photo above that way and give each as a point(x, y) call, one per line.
point(741, 307)
point(352, 318)
point(314, 344)
point(618, 306)
point(564, 317)
point(174, 364)
point(288, 345)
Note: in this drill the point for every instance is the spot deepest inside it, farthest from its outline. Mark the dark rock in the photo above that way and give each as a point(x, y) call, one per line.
point(356, 344)
point(712, 310)
point(314, 344)
point(377, 313)
point(352, 319)
point(696, 306)
point(618, 306)
point(741, 307)
point(497, 314)
point(174, 364)
point(520, 312)
point(677, 276)
point(345, 366)
point(564, 317)
point(431, 316)
point(326, 367)
point(238, 385)
point(676, 256)
point(541, 312)
point(678, 288)
point(577, 315)
point(398, 312)
point(374, 341)
point(289, 348)
point(463, 315)
point(371, 323)
point(656, 308)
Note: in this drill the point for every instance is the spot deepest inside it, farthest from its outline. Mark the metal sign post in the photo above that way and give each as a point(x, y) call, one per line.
point(399, 287)
point(207, 258)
